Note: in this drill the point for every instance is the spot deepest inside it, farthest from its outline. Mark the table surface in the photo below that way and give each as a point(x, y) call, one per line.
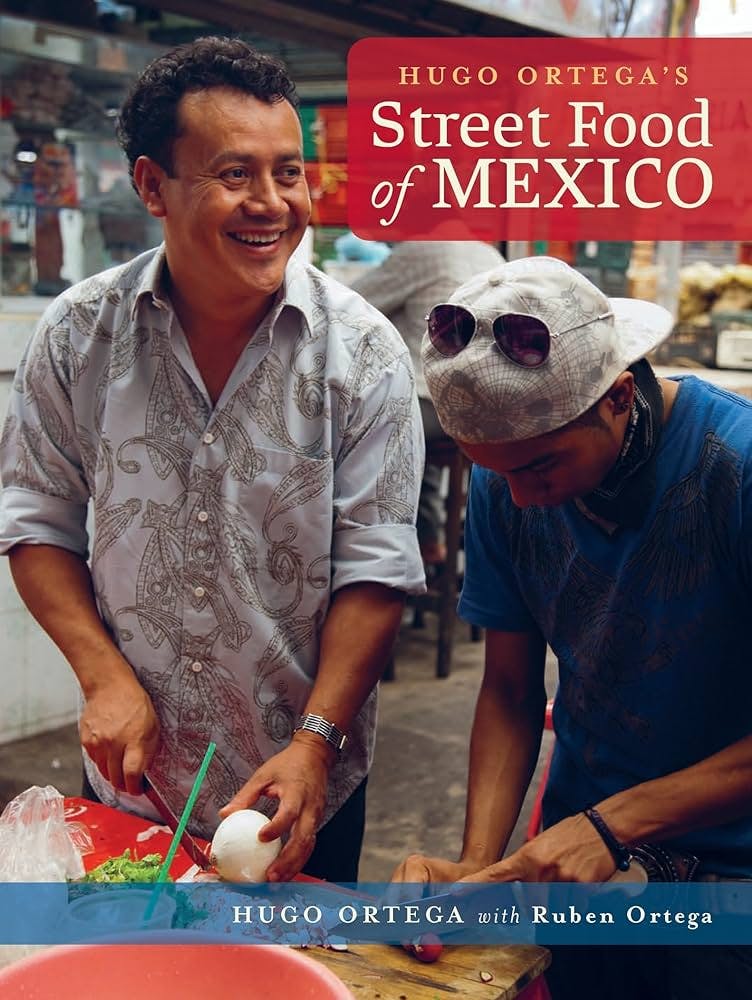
point(371, 971)
point(383, 972)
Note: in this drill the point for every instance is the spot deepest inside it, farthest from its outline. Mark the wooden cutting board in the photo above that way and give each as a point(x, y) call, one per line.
point(383, 972)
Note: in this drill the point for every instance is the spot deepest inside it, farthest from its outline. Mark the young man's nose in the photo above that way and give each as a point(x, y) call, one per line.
point(523, 489)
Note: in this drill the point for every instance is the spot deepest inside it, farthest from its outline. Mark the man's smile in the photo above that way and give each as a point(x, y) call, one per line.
point(257, 239)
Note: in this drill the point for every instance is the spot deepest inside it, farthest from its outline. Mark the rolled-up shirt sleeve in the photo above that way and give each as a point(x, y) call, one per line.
point(45, 493)
point(32, 518)
point(378, 474)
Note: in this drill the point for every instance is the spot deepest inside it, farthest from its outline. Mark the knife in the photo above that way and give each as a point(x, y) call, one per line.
point(196, 853)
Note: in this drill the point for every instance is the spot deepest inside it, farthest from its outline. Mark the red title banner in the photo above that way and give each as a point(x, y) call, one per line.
point(508, 138)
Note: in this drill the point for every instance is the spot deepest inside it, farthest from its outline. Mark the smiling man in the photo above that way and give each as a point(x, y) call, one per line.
point(610, 517)
point(249, 436)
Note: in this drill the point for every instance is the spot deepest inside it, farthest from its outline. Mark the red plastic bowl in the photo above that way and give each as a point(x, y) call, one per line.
point(170, 972)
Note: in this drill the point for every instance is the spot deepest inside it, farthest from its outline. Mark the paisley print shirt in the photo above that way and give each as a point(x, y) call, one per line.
point(219, 531)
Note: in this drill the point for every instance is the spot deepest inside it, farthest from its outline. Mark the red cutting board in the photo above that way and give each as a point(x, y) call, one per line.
point(112, 831)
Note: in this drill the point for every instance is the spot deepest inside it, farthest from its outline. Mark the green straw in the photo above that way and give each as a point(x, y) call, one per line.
point(182, 823)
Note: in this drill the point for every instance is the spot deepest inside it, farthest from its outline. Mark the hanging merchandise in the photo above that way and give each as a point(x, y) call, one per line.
point(328, 184)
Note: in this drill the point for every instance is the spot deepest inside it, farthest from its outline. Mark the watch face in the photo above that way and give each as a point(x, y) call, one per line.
point(662, 865)
point(635, 873)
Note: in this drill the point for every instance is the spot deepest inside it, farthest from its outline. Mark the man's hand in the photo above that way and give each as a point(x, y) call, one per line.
point(298, 776)
point(570, 851)
point(418, 868)
point(120, 732)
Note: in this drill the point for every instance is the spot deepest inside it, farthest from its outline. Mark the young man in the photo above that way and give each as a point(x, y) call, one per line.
point(248, 432)
point(610, 517)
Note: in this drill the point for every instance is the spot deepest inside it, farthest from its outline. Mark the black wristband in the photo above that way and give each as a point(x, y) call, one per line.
point(620, 852)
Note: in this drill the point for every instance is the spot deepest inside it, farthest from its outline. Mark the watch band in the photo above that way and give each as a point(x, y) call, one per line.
point(316, 724)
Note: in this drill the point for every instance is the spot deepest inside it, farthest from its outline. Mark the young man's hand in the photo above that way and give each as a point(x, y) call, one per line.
point(570, 851)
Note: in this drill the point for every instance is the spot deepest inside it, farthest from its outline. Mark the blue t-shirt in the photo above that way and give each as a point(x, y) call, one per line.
point(650, 625)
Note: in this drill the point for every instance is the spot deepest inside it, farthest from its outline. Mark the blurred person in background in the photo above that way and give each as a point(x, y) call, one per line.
point(412, 279)
point(249, 435)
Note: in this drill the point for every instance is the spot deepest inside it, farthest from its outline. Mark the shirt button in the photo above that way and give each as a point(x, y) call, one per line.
point(208, 438)
point(197, 667)
point(202, 516)
point(199, 591)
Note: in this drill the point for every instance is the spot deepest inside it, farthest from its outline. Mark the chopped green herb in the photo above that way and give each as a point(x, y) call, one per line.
point(126, 869)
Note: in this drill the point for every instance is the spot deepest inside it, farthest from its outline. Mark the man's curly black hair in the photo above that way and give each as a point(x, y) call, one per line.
point(148, 121)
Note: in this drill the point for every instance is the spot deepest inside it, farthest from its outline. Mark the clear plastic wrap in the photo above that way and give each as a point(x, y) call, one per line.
point(36, 842)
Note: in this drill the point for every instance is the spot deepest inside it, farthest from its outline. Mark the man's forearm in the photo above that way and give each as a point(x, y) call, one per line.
point(356, 640)
point(55, 584)
point(504, 748)
point(714, 791)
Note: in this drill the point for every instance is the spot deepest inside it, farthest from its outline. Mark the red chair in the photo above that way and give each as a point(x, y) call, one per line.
point(537, 990)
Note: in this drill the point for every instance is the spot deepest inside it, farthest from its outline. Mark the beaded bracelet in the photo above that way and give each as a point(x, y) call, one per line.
point(620, 852)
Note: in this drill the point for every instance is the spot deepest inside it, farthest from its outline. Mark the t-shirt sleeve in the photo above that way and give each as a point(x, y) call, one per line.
point(490, 594)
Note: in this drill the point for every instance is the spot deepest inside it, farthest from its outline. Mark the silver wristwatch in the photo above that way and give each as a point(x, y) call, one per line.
point(316, 724)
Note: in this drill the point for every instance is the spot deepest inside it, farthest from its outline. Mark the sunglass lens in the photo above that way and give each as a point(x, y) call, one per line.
point(450, 329)
point(524, 339)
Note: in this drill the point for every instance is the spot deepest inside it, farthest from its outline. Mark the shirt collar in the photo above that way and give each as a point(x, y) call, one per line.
point(294, 291)
point(150, 283)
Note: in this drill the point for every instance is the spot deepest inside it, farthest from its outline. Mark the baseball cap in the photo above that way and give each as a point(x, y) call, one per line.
point(480, 395)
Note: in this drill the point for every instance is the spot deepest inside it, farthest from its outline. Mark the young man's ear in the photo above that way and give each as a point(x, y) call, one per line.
point(149, 177)
point(620, 396)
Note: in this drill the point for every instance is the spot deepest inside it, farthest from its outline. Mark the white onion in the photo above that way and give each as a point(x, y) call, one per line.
point(237, 853)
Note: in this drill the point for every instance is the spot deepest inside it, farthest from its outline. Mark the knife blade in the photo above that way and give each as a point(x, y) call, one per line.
point(196, 853)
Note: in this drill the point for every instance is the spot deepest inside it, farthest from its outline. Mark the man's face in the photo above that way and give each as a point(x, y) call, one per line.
point(237, 203)
point(549, 470)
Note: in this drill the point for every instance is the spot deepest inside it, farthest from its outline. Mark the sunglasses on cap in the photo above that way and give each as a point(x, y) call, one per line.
point(525, 340)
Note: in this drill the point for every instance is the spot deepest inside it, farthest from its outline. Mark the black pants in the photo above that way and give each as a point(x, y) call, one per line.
point(338, 843)
point(658, 972)
point(337, 852)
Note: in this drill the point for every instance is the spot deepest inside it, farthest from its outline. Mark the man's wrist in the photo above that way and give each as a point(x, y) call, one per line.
point(330, 733)
point(110, 672)
point(619, 852)
point(314, 745)
point(477, 858)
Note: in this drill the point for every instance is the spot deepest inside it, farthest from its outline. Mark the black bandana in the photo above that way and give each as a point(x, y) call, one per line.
point(625, 495)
